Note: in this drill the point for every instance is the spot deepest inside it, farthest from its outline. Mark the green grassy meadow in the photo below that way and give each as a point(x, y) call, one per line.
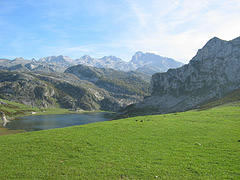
point(189, 145)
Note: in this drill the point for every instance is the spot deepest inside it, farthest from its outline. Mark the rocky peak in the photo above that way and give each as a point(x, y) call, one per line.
point(216, 48)
point(236, 41)
point(137, 56)
point(112, 59)
point(19, 59)
point(139, 53)
point(86, 57)
point(211, 74)
point(153, 62)
point(87, 60)
point(64, 60)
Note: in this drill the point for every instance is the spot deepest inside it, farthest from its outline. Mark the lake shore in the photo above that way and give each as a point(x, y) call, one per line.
point(14, 110)
point(50, 111)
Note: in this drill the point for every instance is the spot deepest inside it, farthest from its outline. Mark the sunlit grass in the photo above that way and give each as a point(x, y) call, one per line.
point(188, 145)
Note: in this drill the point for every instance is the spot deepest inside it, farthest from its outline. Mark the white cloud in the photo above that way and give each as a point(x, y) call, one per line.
point(173, 28)
point(177, 28)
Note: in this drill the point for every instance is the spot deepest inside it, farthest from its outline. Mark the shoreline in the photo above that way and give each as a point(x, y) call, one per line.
point(53, 111)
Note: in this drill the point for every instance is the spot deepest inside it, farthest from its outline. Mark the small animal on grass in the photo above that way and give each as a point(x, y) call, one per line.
point(4, 119)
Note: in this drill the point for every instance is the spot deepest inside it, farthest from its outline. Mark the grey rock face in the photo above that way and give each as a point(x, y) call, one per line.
point(123, 87)
point(105, 62)
point(63, 60)
point(152, 63)
point(212, 73)
point(25, 88)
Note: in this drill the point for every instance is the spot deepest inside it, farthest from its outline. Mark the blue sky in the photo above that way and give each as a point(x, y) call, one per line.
point(173, 28)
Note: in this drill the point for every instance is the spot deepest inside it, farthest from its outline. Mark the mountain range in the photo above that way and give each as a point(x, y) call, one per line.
point(87, 83)
point(109, 83)
point(147, 63)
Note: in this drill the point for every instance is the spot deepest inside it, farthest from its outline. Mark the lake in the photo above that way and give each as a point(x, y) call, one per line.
point(42, 122)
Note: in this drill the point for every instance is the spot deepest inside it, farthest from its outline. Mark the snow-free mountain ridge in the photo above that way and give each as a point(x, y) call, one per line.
point(147, 63)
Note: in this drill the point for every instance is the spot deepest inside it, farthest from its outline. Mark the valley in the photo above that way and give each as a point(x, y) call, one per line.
point(120, 90)
point(183, 123)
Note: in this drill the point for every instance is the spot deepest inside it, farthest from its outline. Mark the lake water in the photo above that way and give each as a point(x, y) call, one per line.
point(42, 122)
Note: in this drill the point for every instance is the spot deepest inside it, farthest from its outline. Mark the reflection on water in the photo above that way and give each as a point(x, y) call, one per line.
point(36, 123)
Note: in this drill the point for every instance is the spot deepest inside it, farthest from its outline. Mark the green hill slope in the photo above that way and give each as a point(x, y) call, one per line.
point(189, 145)
point(15, 109)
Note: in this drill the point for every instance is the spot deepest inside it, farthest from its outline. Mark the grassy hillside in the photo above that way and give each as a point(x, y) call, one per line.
point(13, 109)
point(189, 145)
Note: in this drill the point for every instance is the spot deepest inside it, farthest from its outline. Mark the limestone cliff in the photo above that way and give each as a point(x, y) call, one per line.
point(212, 73)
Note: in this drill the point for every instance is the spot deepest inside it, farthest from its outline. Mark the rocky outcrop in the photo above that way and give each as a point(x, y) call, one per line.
point(26, 89)
point(150, 63)
point(211, 74)
point(105, 62)
point(123, 87)
point(59, 60)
